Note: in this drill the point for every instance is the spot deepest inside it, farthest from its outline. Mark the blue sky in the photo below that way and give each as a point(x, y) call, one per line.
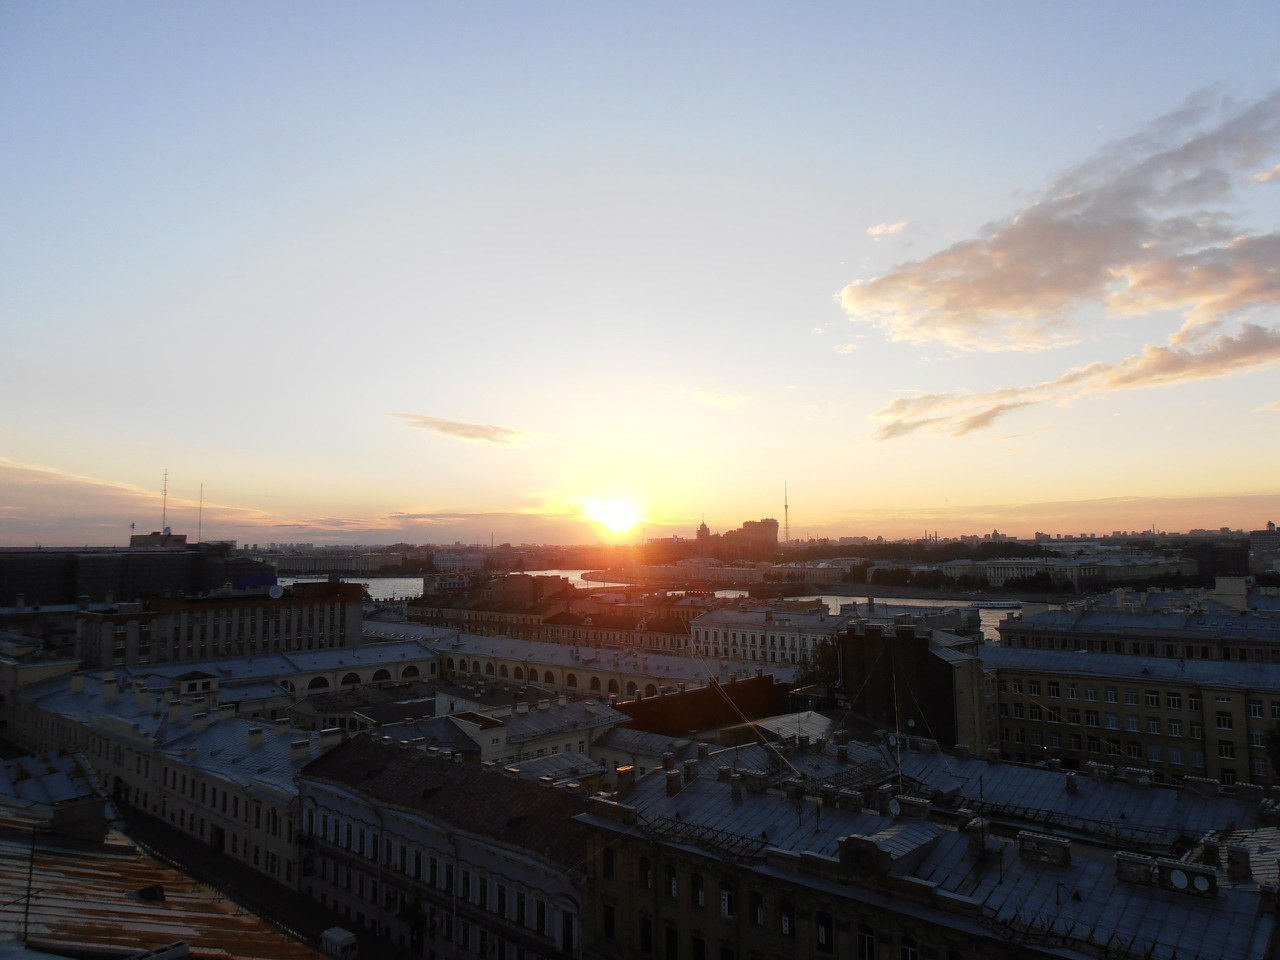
point(673, 254)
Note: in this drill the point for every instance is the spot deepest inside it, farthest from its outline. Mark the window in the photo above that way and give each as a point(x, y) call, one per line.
point(1153, 725)
point(672, 885)
point(1255, 737)
point(1055, 715)
point(1197, 730)
point(697, 895)
point(1111, 695)
point(866, 942)
point(1226, 750)
point(1153, 699)
point(787, 919)
point(1091, 718)
point(727, 905)
point(1113, 721)
point(1053, 688)
point(1091, 694)
point(1130, 697)
point(1259, 768)
point(824, 932)
point(1174, 701)
point(1255, 709)
point(1034, 687)
point(1095, 745)
point(1131, 724)
point(909, 950)
point(645, 876)
point(1073, 715)
point(1113, 748)
point(1224, 720)
point(1193, 701)
point(1071, 692)
point(1018, 712)
point(1175, 728)
point(1017, 686)
point(1004, 709)
point(1175, 756)
point(1153, 752)
point(1035, 712)
point(1074, 741)
point(673, 944)
point(609, 922)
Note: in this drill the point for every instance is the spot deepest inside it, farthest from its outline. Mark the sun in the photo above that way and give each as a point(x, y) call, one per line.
point(616, 515)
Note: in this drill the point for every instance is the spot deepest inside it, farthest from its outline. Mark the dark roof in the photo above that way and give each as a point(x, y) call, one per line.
point(516, 813)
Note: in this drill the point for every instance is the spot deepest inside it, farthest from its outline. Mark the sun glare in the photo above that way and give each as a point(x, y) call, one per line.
point(616, 516)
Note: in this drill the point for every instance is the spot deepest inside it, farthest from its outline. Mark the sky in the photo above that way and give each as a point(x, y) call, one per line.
point(571, 272)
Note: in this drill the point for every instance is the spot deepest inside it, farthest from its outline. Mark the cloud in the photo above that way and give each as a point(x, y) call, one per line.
point(1267, 176)
point(464, 431)
point(715, 398)
point(884, 229)
point(1139, 226)
point(1253, 348)
point(1273, 406)
point(845, 348)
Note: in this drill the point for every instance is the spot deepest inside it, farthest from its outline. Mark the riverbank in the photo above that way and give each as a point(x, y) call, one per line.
point(880, 591)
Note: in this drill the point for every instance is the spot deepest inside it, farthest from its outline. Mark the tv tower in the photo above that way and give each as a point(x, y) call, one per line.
point(786, 514)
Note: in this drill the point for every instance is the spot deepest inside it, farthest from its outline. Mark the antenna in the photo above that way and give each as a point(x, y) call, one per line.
point(164, 501)
point(786, 514)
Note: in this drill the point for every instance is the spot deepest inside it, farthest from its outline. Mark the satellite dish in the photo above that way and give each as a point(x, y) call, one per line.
point(1178, 879)
point(276, 591)
point(895, 807)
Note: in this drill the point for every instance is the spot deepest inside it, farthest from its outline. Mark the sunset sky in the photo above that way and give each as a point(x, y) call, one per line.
point(436, 271)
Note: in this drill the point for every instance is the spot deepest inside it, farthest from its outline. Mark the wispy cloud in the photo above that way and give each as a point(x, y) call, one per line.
point(845, 348)
point(884, 229)
point(1274, 406)
point(465, 431)
point(1139, 226)
point(960, 413)
point(715, 398)
point(1267, 176)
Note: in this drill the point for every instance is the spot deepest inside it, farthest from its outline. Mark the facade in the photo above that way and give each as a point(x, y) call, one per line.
point(1173, 718)
point(306, 616)
point(763, 635)
point(1217, 634)
point(446, 859)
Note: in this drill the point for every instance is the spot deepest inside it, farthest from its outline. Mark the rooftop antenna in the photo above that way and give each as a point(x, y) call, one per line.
point(164, 501)
point(786, 514)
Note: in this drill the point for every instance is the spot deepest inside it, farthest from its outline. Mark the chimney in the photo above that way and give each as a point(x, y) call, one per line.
point(975, 831)
point(704, 750)
point(140, 693)
point(962, 751)
point(993, 754)
point(804, 743)
point(723, 772)
point(21, 601)
point(299, 749)
point(735, 788)
point(109, 689)
point(82, 602)
point(674, 782)
point(331, 736)
point(1210, 853)
point(281, 726)
point(1239, 869)
point(199, 721)
point(175, 711)
point(668, 760)
point(1072, 783)
point(690, 771)
point(254, 740)
point(562, 700)
point(842, 753)
point(626, 777)
point(76, 683)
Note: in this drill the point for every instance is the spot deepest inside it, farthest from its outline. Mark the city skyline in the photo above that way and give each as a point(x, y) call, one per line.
point(565, 275)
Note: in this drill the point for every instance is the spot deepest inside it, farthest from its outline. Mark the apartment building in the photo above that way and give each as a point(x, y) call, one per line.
point(305, 616)
point(1174, 718)
point(764, 635)
point(445, 859)
point(690, 864)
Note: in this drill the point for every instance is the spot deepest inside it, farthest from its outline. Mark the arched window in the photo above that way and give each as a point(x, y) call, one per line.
point(613, 686)
point(475, 666)
point(351, 679)
point(409, 672)
point(502, 671)
point(380, 675)
point(448, 664)
point(650, 690)
point(518, 673)
point(631, 688)
point(595, 684)
point(488, 669)
point(571, 681)
point(318, 683)
point(287, 684)
point(548, 677)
